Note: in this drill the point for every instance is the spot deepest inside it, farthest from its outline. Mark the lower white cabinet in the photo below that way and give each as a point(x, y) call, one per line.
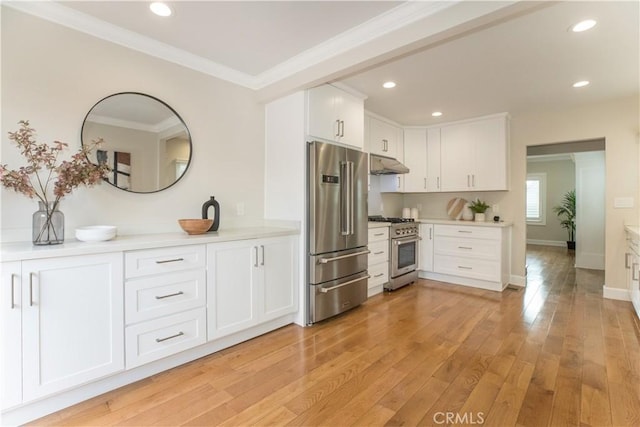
point(425, 260)
point(70, 313)
point(378, 260)
point(632, 264)
point(471, 255)
point(249, 282)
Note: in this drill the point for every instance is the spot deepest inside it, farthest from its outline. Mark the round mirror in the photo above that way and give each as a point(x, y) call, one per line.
point(146, 143)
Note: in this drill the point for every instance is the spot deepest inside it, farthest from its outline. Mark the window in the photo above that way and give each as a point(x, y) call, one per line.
point(536, 196)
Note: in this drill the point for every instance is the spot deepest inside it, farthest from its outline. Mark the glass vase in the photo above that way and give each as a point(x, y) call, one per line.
point(48, 225)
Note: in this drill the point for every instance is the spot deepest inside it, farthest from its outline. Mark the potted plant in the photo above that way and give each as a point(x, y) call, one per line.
point(478, 207)
point(566, 212)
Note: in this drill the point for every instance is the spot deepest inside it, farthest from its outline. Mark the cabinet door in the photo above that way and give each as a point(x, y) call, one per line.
point(321, 113)
point(350, 112)
point(456, 157)
point(10, 335)
point(425, 262)
point(415, 158)
point(391, 183)
point(73, 321)
point(231, 300)
point(383, 138)
point(278, 261)
point(489, 152)
point(433, 160)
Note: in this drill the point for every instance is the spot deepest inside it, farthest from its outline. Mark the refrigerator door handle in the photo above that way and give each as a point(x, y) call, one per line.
point(352, 196)
point(344, 199)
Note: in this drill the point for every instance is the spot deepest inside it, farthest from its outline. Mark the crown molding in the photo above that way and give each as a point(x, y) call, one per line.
point(378, 26)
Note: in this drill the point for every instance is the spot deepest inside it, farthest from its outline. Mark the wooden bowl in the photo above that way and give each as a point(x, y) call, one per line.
point(195, 226)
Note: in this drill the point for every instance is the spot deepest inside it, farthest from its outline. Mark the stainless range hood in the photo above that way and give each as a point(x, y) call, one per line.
point(380, 165)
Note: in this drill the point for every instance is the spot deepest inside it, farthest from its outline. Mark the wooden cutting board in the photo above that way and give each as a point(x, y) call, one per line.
point(454, 208)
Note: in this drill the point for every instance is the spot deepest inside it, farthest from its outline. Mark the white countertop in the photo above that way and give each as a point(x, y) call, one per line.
point(26, 250)
point(634, 230)
point(461, 222)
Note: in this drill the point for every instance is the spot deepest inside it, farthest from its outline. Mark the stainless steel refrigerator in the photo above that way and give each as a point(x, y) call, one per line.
point(337, 230)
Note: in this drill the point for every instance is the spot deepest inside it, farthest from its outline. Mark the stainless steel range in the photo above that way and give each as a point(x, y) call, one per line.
point(403, 251)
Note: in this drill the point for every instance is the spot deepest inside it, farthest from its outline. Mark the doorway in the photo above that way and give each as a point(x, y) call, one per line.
point(555, 174)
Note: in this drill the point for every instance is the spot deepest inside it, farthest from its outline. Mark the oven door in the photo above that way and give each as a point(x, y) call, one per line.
point(404, 255)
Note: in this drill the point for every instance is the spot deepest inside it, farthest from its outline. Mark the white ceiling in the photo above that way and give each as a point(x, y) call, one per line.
point(478, 58)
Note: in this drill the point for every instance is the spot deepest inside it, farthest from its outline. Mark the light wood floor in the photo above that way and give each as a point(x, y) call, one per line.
point(553, 354)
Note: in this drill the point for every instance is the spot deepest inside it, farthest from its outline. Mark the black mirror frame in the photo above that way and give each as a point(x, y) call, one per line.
point(84, 121)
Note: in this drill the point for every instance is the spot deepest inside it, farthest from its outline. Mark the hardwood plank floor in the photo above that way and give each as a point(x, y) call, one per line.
point(552, 354)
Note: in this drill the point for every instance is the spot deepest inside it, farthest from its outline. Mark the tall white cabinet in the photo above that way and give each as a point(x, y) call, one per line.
point(68, 313)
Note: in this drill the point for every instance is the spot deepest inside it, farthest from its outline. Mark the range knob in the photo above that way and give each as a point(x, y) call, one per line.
point(397, 231)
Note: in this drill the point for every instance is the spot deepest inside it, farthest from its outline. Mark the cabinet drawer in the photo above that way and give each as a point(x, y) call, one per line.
point(379, 274)
point(155, 339)
point(152, 297)
point(473, 248)
point(467, 267)
point(163, 260)
point(379, 252)
point(468, 231)
point(378, 234)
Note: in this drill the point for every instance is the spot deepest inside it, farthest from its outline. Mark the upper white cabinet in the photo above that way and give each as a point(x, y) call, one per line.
point(415, 158)
point(72, 321)
point(335, 115)
point(250, 281)
point(434, 166)
point(474, 154)
point(384, 138)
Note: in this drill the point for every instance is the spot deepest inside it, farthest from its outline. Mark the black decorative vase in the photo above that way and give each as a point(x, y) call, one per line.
point(216, 212)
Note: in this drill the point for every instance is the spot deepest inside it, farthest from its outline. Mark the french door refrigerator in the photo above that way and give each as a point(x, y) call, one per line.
point(337, 230)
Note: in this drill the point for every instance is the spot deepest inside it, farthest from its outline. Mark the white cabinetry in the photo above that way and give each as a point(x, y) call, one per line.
point(425, 260)
point(335, 115)
point(415, 158)
point(632, 264)
point(394, 183)
point(378, 261)
point(384, 138)
point(433, 160)
point(249, 282)
point(165, 302)
point(66, 324)
point(474, 155)
point(10, 334)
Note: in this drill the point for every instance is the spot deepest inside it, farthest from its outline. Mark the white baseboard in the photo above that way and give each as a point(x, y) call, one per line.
point(615, 293)
point(520, 281)
point(546, 242)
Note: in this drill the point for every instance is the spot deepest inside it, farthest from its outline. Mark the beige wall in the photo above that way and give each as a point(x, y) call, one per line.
point(561, 178)
point(52, 76)
point(618, 122)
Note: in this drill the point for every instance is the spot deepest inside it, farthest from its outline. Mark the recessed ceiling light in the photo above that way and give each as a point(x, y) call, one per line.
point(436, 113)
point(585, 25)
point(581, 83)
point(160, 9)
point(389, 85)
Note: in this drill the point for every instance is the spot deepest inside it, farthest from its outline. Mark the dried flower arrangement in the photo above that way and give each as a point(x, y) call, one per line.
point(46, 179)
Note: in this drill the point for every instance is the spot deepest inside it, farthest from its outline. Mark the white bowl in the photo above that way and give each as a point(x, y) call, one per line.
point(96, 233)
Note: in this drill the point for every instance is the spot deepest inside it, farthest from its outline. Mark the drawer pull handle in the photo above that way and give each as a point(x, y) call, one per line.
point(378, 253)
point(626, 260)
point(325, 290)
point(379, 275)
point(379, 234)
point(170, 260)
point(634, 270)
point(464, 247)
point(465, 231)
point(31, 289)
point(179, 334)
point(170, 295)
point(465, 268)
point(13, 284)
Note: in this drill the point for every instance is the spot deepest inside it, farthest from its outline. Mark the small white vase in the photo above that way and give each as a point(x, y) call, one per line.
point(480, 217)
point(467, 214)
